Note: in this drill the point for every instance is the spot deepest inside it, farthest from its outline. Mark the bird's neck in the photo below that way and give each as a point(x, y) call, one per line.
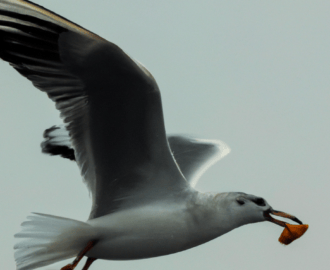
point(210, 216)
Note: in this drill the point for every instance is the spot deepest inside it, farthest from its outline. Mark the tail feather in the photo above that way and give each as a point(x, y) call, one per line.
point(48, 239)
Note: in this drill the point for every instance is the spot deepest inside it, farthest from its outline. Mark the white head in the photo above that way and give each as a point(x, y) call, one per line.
point(237, 209)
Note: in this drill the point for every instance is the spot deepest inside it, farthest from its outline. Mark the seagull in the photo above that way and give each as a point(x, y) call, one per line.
point(141, 180)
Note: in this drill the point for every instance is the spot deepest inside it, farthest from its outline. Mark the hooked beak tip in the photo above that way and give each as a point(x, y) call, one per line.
point(280, 214)
point(297, 220)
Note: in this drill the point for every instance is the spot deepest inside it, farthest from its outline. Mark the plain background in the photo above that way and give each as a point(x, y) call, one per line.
point(254, 74)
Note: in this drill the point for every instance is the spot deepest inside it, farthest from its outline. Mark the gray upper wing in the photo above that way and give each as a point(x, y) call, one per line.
point(110, 103)
point(195, 156)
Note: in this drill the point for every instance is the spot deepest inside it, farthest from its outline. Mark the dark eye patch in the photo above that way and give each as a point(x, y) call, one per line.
point(259, 201)
point(240, 201)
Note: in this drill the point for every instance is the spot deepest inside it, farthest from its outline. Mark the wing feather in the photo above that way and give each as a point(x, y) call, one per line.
point(110, 103)
point(193, 156)
point(196, 156)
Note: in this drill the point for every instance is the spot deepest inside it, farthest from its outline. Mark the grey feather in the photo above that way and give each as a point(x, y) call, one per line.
point(194, 156)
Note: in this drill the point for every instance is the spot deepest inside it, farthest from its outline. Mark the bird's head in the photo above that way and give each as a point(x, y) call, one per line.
point(245, 208)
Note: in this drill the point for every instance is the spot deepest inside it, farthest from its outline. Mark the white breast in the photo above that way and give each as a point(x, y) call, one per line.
point(147, 232)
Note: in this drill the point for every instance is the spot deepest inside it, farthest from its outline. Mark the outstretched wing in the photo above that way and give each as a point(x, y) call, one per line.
point(110, 103)
point(194, 156)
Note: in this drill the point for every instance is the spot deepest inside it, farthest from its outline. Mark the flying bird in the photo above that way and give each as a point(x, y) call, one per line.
point(141, 180)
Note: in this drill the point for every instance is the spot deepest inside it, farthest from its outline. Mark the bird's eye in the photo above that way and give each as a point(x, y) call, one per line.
point(259, 201)
point(240, 201)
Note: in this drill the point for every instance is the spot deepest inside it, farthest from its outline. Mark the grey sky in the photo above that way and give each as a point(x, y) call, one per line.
point(254, 74)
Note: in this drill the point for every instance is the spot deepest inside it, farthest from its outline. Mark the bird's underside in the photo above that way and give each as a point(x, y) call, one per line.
point(79, 257)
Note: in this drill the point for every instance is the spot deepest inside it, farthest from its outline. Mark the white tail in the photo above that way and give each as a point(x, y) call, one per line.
point(49, 239)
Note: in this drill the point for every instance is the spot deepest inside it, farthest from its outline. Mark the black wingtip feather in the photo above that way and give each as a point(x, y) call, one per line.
point(31, 19)
point(28, 41)
point(33, 31)
point(55, 150)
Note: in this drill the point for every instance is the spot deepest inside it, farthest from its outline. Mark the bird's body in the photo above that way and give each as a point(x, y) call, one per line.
point(152, 230)
point(141, 179)
point(164, 228)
